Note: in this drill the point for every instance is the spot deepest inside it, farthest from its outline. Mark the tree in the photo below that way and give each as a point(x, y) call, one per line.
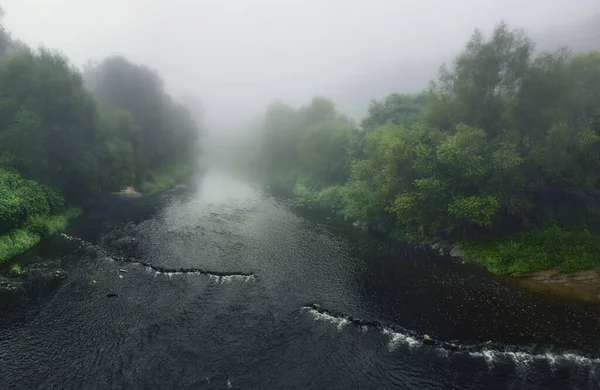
point(483, 81)
point(167, 133)
point(401, 109)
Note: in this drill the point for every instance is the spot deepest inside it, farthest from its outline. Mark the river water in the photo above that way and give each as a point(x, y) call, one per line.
point(221, 285)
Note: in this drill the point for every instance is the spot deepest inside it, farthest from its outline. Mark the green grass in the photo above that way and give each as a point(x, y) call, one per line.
point(536, 250)
point(165, 179)
point(15, 269)
point(17, 241)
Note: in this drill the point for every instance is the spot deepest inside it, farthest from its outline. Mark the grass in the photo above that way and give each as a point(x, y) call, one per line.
point(166, 179)
point(17, 241)
point(536, 250)
point(15, 269)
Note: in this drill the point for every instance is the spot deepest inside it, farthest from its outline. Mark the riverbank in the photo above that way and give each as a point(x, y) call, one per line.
point(578, 286)
point(536, 250)
point(326, 291)
point(166, 179)
point(517, 254)
point(29, 211)
point(17, 241)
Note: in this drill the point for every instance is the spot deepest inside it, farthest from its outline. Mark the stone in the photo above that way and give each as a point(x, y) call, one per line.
point(456, 251)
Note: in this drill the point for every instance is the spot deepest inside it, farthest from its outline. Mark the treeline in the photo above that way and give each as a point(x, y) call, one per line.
point(149, 137)
point(67, 137)
point(312, 141)
point(501, 154)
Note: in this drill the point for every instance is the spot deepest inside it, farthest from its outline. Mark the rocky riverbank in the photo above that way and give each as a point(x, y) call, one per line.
point(580, 285)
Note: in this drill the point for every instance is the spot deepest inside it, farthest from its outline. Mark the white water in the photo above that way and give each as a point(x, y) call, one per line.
point(491, 356)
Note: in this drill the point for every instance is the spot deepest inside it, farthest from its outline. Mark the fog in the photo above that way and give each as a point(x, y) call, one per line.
point(238, 55)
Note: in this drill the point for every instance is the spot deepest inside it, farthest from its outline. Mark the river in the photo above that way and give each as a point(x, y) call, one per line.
point(221, 285)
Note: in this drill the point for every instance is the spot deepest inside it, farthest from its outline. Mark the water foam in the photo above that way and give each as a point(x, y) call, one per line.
point(221, 279)
point(340, 322)
point(398, 338)
point(491, 353)
point(218, 277)
point(75, 239)
point(492, 356)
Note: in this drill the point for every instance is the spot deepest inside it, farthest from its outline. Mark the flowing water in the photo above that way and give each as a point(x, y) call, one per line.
point(222, 285)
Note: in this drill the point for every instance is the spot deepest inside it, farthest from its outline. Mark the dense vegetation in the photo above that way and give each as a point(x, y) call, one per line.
point(64, 143)
point(501, 154)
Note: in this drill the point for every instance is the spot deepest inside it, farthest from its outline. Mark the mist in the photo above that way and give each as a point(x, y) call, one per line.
point(237, 56)
point(300, 194)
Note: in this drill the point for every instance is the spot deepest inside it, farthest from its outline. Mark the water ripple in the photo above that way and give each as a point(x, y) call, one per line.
point(489, 351)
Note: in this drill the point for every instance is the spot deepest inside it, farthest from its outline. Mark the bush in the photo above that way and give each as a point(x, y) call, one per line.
point(15, 269)
point(166, 179)
point(21, 199)
point(305, 191)
point(332, 197)
point(17, 241)
point(538, 249)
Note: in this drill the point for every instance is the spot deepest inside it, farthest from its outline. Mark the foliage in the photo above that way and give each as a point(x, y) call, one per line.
point(46, 226)
point(147, 131)
point(62, 143)
point(396, 108)
point(502, 153)
point(165, 179)
point(15, 269)
point(524, 252)
point(53, 130)
point(311, 142)
point(21, 199)
point(17, 241)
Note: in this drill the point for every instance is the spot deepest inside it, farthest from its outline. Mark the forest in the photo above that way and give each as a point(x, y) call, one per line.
point(500, 156)
point(69, 137)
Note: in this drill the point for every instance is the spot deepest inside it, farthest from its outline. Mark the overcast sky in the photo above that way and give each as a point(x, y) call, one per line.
point(237, 55)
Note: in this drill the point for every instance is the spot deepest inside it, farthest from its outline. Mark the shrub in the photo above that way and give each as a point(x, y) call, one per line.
point(21, 199)
point(538, 249)
point(165, 179)
point(15, 242)
point(15, 269)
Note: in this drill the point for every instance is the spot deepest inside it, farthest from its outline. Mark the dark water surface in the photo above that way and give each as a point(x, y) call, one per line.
point(224, 286)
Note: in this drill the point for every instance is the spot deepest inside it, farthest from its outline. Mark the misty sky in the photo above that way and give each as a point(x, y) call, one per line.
point(237, 55)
